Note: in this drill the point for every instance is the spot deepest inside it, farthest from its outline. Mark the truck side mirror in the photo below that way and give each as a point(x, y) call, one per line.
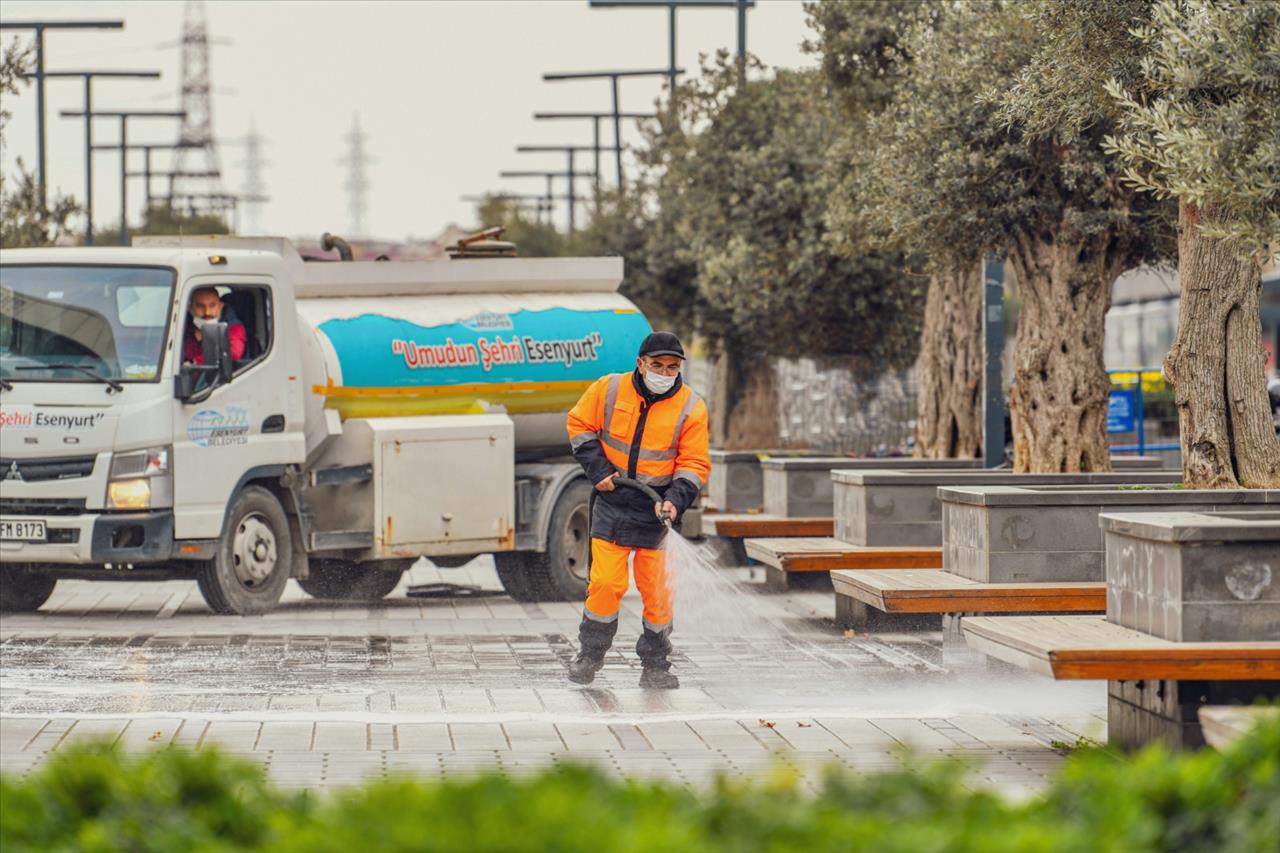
point(215, 343)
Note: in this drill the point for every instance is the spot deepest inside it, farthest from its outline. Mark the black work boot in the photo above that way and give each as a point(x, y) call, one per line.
point(594, 640)
point(652, 648)
point(583, 668)
point(656, 678)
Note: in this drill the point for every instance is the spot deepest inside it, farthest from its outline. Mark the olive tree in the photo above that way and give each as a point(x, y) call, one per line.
point(744, 196)
point(1200, 123)
point(953, 176)
point(860, 45)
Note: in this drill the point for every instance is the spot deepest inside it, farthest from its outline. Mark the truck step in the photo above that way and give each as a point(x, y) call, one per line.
point(332, 540)
point(341, 475)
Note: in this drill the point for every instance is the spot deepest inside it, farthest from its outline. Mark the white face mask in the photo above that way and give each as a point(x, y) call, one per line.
point(657, 383)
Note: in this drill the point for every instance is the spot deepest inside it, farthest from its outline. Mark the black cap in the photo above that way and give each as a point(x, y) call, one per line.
point(662, 343)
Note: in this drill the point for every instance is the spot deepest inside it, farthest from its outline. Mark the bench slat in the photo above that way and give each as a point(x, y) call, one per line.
point(823, 554)
point(1089, 647)
point(942, 592)
point(735, 526)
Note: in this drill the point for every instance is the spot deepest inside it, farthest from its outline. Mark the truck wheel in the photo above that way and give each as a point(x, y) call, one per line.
point(349, 581)
point(23, 591)
point(251, 568)
point(560, 572)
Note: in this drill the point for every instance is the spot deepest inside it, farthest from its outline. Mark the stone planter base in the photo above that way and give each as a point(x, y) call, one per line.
point(779, 580)
point(900, 507)
point(1140, 712)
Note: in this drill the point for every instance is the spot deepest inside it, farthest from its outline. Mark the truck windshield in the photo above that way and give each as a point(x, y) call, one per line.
point(83, 323)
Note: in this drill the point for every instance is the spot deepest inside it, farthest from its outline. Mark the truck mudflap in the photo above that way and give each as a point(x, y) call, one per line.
point(132, 538)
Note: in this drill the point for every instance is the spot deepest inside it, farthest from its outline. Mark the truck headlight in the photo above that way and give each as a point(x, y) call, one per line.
point(129, 494)
point(132, 477)
point(151, 462)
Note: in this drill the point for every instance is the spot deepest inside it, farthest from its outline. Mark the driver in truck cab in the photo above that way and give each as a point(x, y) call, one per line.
point(207, 307)
point(649, 426)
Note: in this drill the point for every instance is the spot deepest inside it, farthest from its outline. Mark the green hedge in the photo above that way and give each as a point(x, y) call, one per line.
point(94, 798)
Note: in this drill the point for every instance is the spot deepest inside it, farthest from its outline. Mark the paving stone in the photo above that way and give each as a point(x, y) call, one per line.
point(322, 695)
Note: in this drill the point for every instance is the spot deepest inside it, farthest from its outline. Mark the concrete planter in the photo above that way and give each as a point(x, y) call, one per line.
point(1011, 534)
point(900, 507)
point(1194, 577)
point(737, 483)
point(801, 487)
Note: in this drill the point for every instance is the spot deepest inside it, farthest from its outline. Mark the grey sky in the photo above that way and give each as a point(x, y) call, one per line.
point(445, 90)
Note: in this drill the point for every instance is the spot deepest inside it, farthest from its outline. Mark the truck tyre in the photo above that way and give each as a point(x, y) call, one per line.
point(560, 572)
point(348, 581)
point(23, 591)
point(252, 564)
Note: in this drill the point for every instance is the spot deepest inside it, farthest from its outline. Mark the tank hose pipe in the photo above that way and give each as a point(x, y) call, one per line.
point(329, 242)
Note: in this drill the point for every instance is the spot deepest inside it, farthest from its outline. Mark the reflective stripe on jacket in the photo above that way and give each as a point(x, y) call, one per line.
point(661, 440)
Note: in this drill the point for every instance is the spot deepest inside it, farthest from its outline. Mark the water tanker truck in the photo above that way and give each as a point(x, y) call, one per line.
point(365, 415)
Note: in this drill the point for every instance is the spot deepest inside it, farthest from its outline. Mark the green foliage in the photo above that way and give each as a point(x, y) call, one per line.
point(859, 44)
point(94, 799)
point(23, 220)
point(960, 167)
point(745, 199)
point(163, 219)
point(1200, 117)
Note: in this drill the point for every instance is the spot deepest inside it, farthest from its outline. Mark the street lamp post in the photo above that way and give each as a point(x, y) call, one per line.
point(88, 77)
point(612, 77)
point(570, 150)
point(550, 176)
point(671, 6)
point(124, 116)
point(595, 130)
point(37, 29)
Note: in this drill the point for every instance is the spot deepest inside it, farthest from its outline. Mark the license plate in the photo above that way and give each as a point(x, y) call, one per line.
point(21, 530)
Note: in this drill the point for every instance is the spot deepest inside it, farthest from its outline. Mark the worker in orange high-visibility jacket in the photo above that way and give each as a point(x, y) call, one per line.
point(649, 426)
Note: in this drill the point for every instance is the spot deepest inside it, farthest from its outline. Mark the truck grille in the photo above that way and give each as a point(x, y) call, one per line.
point(37, 470)
point(42, 506)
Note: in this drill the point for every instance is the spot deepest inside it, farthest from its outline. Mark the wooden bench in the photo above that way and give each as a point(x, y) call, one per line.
point(1155, 687)
point(1090, 647)
point(816, 556)
point(863, 596)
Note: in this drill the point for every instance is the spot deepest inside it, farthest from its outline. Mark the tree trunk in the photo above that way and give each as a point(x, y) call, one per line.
point(1058, 401)
point(744, 413)
point(1217, 364)
point(949, 399)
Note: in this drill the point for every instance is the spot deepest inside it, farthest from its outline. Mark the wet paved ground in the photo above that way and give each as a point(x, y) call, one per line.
point(324, 694)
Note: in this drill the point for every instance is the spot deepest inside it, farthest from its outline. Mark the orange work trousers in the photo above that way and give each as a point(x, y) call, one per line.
point(608, 583)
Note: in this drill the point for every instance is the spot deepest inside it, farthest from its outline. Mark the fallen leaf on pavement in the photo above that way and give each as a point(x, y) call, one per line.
point(156, 736)
point(849, 633)
point(804, 725)
point(768, 724)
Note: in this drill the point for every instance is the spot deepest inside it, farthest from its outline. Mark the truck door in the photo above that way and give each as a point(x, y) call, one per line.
point(248, 427)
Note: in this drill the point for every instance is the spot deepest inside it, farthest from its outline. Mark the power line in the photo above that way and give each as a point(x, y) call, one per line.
point(88, 77)
point(124, 116)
